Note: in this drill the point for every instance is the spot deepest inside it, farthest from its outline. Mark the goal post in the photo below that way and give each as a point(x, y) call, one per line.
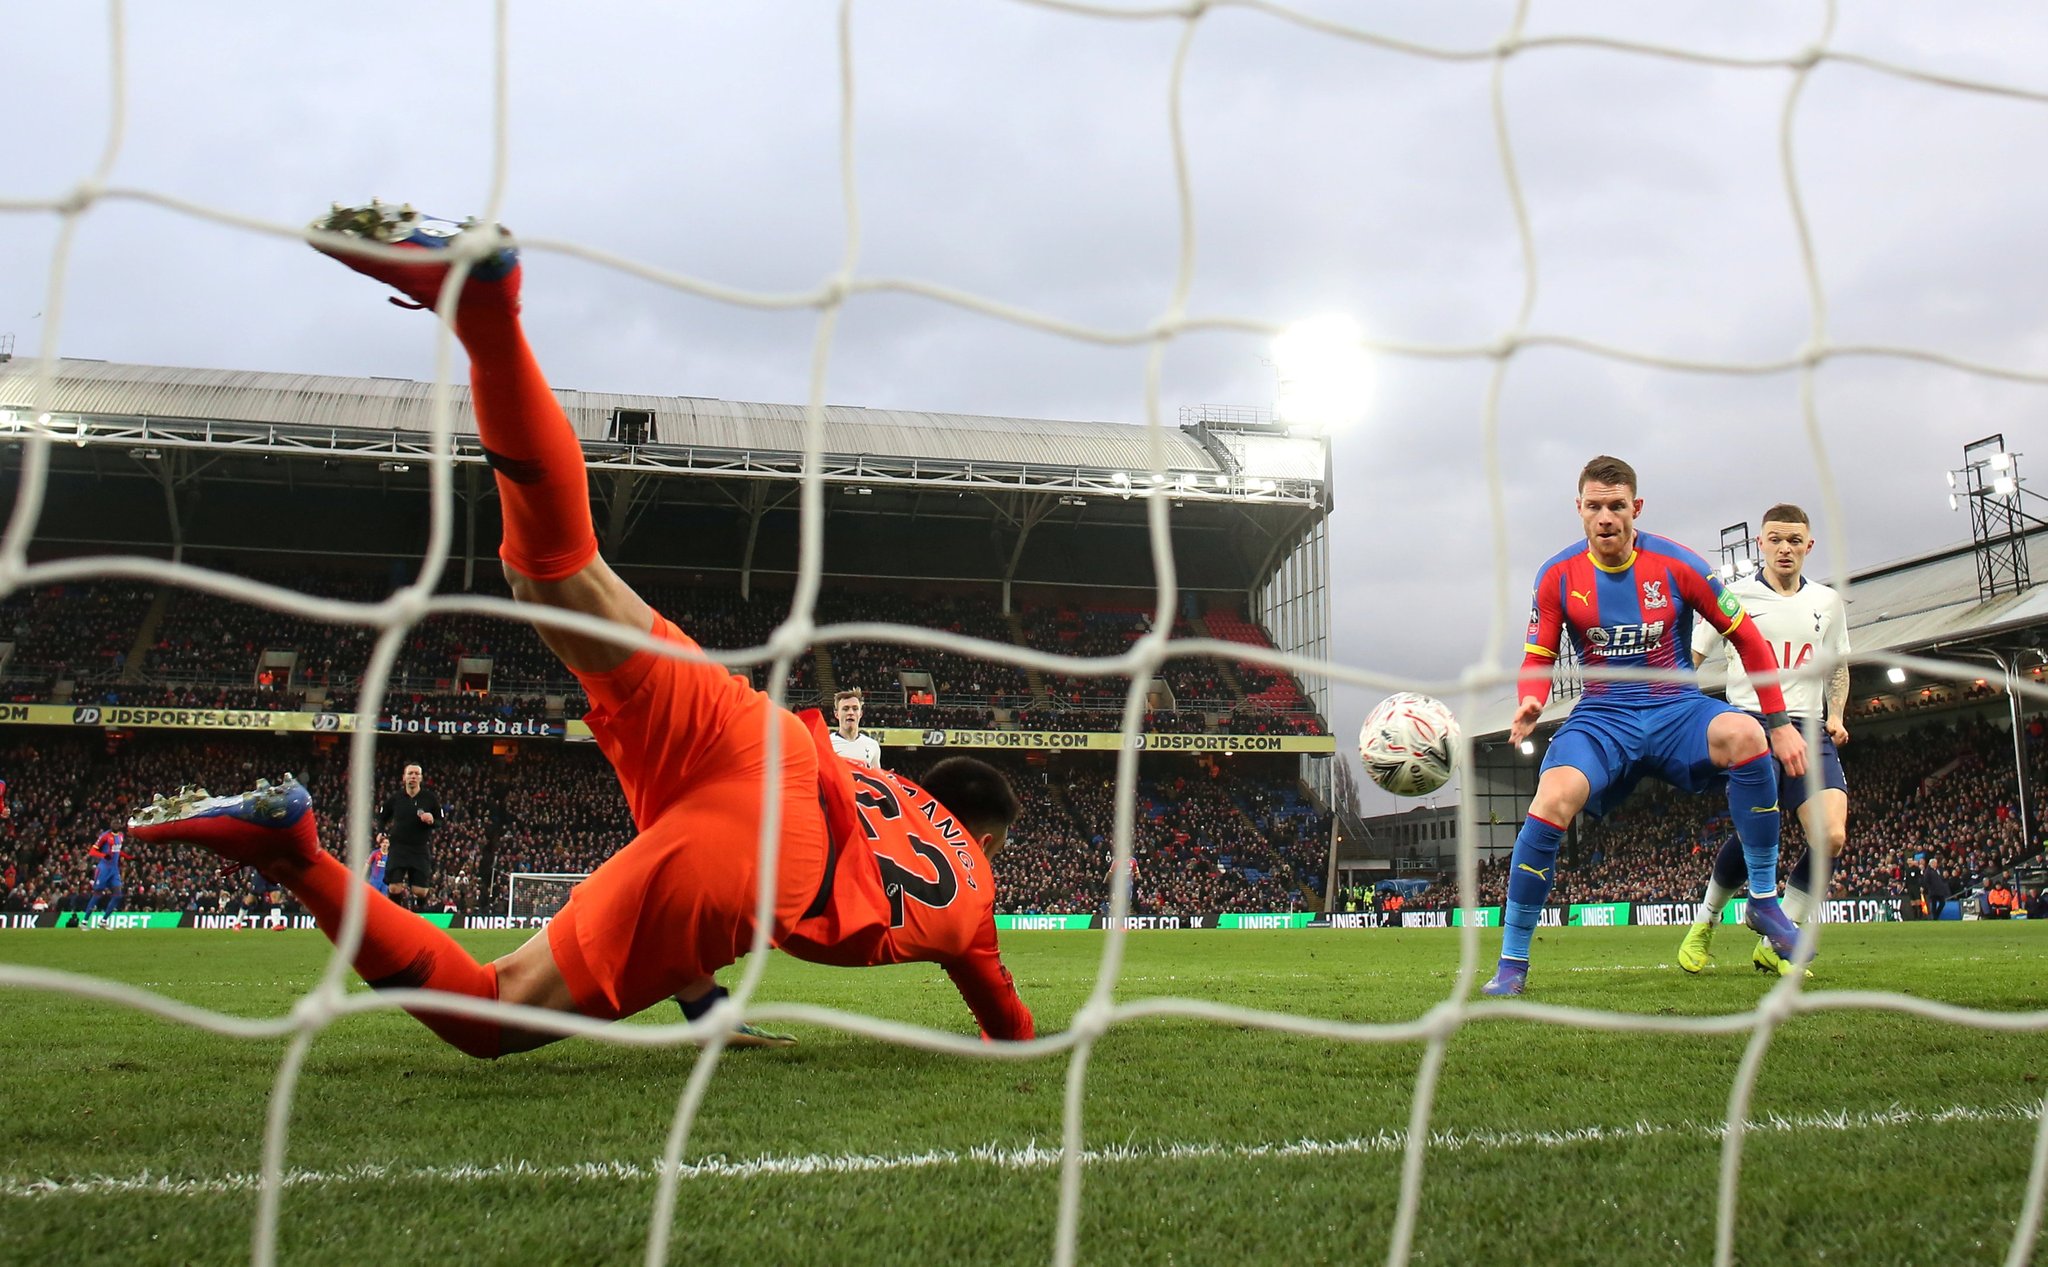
point(539, 893)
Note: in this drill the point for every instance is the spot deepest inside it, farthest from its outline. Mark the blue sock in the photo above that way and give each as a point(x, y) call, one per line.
point(1530, 876)
point(1730, 869)
point(114, 901)
point(1753, 800)
point(693, 1010)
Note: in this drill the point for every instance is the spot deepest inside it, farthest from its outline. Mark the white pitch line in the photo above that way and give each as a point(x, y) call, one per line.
point(1030, 1157)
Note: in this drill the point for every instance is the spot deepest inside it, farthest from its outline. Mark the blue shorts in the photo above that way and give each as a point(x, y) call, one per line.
point(1615, 745)
point(1792, 792)
point(106, 880)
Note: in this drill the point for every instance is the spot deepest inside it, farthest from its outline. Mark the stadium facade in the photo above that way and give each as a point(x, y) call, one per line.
point(281, 473)
point(1930, 607)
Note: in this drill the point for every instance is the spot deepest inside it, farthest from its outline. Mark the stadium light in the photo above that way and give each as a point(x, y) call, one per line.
point(1895, 675)
point(1951, 484)
point(398, 468)
point(2001, 461)
point(1528, 747)
point(1952, 502)
point(1325, 374)
point(2003, 485)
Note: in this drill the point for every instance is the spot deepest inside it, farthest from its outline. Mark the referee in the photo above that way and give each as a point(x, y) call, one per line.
point(410, 817)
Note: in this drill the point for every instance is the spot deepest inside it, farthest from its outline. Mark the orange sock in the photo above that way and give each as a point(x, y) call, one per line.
point(532, 448)
point(402, 950)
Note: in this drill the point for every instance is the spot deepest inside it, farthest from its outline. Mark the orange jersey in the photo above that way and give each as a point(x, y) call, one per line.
point(909, 884)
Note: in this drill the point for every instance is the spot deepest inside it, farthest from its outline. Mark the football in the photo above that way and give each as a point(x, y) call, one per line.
point(1407, 744)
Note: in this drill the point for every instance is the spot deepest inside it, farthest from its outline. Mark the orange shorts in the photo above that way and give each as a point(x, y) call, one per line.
point(689, 742)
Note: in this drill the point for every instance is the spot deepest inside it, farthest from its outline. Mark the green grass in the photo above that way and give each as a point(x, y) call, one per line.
point(92, 1090)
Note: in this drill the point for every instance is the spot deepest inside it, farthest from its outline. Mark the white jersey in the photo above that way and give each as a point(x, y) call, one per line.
point(861, 750)
point(1799, 626)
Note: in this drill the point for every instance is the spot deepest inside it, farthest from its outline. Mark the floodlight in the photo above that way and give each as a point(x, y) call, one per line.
point(2003, 486)
point(1952, 501)
point(1325, 374)
point(2001, 461)
point(1528, 747)
point(1895, 675)
point(1951, 479)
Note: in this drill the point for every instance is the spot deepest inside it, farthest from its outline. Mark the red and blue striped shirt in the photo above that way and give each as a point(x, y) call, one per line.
point(1637, 615)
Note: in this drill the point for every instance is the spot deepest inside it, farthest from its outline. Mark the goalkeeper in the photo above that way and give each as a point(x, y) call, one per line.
point(873, 868)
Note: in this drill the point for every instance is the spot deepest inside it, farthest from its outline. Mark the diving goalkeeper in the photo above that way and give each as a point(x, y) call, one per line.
point(873, 868)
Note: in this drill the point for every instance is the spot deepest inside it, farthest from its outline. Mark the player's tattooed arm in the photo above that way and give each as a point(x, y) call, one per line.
point(1838, 705)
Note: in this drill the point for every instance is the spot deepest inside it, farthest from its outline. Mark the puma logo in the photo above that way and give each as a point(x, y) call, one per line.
point(1541, 875)
point(1584, 596)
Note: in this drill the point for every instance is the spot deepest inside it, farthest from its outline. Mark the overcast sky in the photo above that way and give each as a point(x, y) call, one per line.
point(1023, 154)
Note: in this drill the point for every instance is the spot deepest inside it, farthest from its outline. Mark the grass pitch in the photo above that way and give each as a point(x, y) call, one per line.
point(1883, 1138)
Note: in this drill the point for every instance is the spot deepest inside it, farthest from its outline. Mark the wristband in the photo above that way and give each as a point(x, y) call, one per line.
point(1774, 720)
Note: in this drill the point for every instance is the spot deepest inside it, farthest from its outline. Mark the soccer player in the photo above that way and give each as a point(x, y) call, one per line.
point(409, 818)
point(847, 740)
point(105, 855)
point(872, 869)
point(380, 855)
point(1798, 618)
point(1628, 599)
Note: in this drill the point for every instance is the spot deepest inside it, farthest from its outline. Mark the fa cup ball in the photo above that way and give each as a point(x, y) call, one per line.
point(1407, 744)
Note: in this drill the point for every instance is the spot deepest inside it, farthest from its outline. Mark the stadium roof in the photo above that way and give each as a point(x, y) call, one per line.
point(1261, 463)
point(1926, 604)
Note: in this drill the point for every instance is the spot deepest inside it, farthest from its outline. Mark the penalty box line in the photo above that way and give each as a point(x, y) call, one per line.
point(1031, 1156)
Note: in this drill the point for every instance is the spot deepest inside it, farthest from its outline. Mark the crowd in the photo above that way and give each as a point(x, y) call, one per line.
point(84, 630)
point(206, 651)
point(1207, 839)
point(1203, 841)
point(1940, 794)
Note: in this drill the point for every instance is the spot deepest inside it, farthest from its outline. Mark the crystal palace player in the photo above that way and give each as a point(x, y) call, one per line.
point(1628, 599)
point(1798, 618)
point(873, 868)
point(105, 855)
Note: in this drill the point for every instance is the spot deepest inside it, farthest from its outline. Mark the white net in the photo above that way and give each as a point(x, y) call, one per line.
point(539, 894)
point(329, 999)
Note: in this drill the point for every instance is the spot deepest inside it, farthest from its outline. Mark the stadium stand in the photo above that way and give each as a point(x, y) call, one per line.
point(1209, 837)
point(208, 652)
point(1941, 791)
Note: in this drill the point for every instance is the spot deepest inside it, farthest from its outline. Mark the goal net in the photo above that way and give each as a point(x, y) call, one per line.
point(1492, 61)
point(539, 894)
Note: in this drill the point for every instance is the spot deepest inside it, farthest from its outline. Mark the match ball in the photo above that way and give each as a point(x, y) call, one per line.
point(1407, 744)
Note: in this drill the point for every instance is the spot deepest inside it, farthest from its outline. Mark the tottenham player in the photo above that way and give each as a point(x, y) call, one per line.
point(847, 741)
point(872, 869)
point(1628, 599)
point(1800, 619)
